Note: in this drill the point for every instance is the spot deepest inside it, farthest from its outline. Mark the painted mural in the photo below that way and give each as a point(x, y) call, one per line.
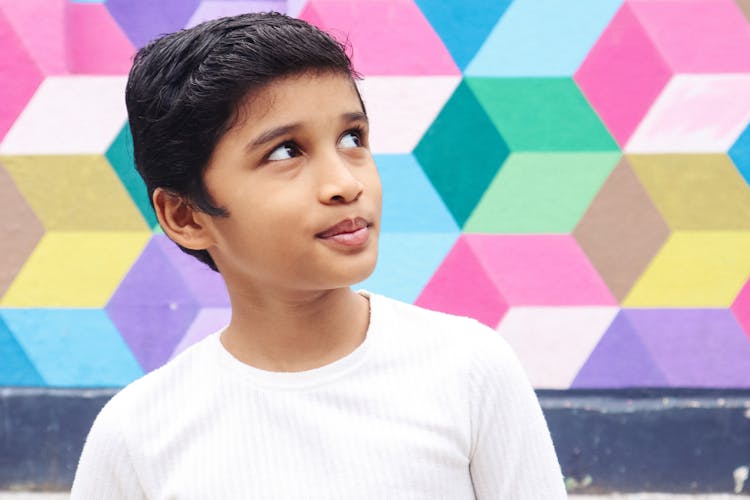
point(575, 175)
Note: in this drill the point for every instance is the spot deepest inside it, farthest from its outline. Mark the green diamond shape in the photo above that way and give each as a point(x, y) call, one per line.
point(542, 114)
point(461, 152)
point(120, 156)
point(541, 192)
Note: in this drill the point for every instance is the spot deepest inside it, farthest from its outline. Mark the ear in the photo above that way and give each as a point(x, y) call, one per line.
point(180, 221)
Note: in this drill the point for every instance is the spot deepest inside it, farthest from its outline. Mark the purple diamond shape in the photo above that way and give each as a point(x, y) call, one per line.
point(144, 20)
point(205, 285)
point(619, 360)
point(153, 307)
point(695, 347)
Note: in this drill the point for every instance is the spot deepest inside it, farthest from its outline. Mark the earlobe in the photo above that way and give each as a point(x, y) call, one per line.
point(180, 221)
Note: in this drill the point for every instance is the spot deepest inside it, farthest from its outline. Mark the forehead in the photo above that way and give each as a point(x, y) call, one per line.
point(299, 98)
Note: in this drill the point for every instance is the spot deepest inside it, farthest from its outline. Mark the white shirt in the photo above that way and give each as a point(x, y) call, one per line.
point(430, 406)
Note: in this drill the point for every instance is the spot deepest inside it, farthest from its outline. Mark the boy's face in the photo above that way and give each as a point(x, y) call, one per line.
point(301, 188)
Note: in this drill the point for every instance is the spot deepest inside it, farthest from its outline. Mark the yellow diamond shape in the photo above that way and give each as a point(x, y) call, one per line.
point(75, 193)
point(75, 269)
point(695, 269)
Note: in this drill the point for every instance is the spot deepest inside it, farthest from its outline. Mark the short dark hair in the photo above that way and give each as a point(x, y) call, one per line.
point(185, 89)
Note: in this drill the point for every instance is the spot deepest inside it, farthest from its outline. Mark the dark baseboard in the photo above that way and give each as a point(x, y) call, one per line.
point(630, 440)
point(42, 435)
point(667, 440)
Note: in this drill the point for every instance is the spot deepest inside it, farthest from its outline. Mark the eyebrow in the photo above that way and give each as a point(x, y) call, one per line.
point(355, 116)
point(275, 133)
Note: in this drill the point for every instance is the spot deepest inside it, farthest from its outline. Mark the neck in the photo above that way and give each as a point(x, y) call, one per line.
point(295, 331)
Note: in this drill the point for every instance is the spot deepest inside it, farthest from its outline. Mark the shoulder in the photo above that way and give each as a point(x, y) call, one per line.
point(465, 338)
point(454, 348)
point(165, 386)
point(405, 315)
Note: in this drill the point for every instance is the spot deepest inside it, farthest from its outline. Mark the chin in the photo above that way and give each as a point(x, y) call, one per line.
point(356, 273)
point(361, 277)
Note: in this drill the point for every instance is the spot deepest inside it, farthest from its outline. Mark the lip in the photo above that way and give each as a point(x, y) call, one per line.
point(350, 232)
point(346, 226)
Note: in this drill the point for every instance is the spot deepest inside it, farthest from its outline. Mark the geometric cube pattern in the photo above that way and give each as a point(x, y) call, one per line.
point(576, 175)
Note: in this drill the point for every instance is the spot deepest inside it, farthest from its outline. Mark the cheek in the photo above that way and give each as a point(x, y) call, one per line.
point(376, 189)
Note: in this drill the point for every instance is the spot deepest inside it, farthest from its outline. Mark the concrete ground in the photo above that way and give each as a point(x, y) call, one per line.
point(631, 496)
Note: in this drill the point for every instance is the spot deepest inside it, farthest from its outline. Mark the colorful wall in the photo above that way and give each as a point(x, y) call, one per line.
point(573, 174)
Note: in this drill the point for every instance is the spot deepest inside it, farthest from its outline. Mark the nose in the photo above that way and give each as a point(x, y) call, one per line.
point(338, 182)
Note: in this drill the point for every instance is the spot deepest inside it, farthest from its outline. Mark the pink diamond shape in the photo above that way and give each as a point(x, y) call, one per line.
point(543, 270)
point(387, 38)
point(96, 44)
point(741, 308)
point(697, 36)
point(19, 76)
point(461, 286)
point(623, 74)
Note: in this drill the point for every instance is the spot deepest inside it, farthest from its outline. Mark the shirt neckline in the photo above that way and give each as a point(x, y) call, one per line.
point(306, 378)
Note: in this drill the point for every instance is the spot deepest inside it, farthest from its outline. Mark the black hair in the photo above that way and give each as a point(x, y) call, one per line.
point(185, 89)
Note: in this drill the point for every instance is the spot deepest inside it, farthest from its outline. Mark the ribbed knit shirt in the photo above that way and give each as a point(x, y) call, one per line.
point(429, 406)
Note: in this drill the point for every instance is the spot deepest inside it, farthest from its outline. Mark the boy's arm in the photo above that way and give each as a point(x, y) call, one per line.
point(512, 451)
point(105, 469)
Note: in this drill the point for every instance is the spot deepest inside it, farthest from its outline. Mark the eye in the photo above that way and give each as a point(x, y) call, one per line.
point(351, 139)
point(284, 152)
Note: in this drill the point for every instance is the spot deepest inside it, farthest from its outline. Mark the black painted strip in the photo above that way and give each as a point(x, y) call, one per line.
point(680, 441)
point(42, 435)
point(675, 440)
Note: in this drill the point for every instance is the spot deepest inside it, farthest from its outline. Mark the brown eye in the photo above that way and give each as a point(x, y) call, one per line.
point(284, 152)
point(350, 139)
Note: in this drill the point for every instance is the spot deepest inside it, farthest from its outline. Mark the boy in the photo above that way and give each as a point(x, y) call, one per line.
point(252, 139)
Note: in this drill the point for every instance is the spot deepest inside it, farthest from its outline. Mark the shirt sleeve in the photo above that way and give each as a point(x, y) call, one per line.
point(512, 454)
point(105, 469)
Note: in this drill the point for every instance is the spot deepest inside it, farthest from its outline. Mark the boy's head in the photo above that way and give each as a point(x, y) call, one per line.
point(187, 89)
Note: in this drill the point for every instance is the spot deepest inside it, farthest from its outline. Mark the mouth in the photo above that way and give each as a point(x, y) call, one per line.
point(349, 232)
